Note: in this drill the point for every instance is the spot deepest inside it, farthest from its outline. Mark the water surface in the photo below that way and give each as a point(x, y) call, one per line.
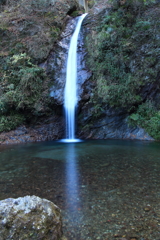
point(107, 189)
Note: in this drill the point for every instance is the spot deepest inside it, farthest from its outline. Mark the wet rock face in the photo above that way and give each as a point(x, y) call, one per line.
point(83, 72)
point(111, 124)
point(56, 64)
point(29, 217)
point(48, 129)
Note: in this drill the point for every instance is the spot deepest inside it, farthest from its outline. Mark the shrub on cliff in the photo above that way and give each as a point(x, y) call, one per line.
point(147, 117)
point(22, 87)
point(124, 58)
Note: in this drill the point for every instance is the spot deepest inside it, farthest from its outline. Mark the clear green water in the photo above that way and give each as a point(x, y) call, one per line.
point(106, 189)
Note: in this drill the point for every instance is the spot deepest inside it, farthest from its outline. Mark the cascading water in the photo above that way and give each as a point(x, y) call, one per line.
point(70, 94)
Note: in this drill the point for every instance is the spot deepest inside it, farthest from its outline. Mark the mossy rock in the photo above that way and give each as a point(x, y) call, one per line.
point(30, 217)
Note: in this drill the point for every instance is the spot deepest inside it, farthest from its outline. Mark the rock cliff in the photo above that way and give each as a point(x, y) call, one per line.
point(122, 42)
point(30, 33)
point(118, 69)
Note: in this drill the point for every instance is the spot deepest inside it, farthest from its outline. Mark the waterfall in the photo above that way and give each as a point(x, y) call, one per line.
point(70, 93)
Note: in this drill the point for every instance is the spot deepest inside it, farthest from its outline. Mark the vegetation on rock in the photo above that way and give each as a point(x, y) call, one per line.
point(124, 58)
point(21, 89)
point(28, 32)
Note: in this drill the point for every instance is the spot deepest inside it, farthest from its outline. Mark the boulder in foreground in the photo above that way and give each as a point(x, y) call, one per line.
point(29, 217)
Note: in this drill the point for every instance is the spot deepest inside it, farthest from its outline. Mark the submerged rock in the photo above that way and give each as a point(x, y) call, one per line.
point(29, 217)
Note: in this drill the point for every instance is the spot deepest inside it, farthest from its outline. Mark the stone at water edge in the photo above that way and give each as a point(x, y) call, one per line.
point(28, 218)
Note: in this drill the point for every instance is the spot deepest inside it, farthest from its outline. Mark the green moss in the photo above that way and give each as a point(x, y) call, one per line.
point(75, 13)
point(148, 118)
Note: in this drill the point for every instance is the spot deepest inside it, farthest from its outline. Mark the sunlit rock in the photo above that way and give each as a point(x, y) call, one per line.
point(29, 217)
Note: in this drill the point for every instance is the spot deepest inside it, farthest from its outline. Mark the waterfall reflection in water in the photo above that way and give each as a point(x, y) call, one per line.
point(106, 189)
point(72, 181)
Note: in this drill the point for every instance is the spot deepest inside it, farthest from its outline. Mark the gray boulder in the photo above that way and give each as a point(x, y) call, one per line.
point(28, 218)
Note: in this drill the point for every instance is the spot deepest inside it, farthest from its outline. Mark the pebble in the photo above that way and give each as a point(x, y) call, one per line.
point(147, 209)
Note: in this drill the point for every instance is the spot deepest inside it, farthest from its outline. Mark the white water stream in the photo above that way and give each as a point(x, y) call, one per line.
point(70, 94)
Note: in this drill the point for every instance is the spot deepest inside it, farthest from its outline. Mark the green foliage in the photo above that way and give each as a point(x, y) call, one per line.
point(97, 110)
point(22, 85)
point(111, 56)
point(132, 5)
point(123, 54)
point(10, 122)
point(75, 13)
point(143, 25)
point(147, 117)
